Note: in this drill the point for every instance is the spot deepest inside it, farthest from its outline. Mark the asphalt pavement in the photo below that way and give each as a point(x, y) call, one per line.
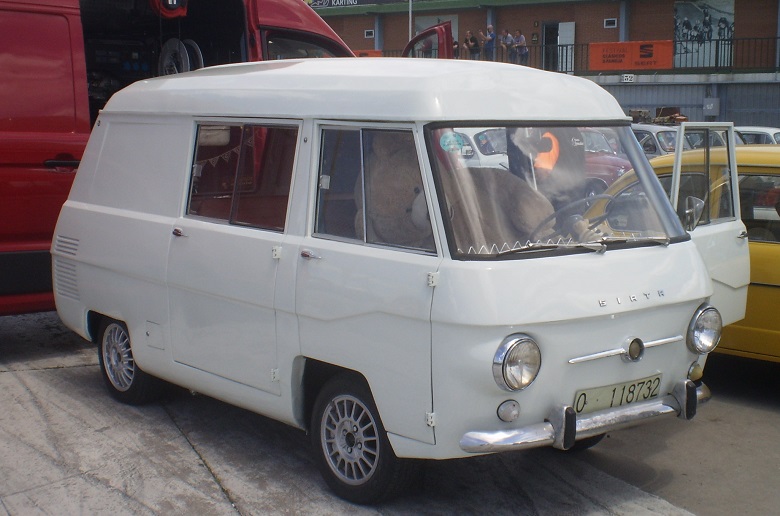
point(66, 447)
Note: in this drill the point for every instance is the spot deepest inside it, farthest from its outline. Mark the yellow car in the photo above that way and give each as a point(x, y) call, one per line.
point(758, 167)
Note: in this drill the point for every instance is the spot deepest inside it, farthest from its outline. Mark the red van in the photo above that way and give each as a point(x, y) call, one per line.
point(61, 60)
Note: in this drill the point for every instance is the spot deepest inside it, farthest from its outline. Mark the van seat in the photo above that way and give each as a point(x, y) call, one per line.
point(211, 207)
point(262, 211)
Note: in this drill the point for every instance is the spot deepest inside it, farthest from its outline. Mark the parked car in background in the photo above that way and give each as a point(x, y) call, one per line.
point(484, 147)
point(614, 141)
point(487, 147)
point(758, 334)
point(760, 135)
point(602, 164)
point(63, 59)
point(659, 140)
point(656, 140)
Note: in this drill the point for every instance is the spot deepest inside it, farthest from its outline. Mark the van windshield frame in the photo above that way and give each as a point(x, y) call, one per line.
point(534, 198)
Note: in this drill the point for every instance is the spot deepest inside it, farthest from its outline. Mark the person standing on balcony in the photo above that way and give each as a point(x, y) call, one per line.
point(508, 51)
point(521, 47)
point(472, 44)
point(489, 43)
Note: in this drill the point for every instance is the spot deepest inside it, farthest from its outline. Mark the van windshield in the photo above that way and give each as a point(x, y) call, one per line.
point(529, 191)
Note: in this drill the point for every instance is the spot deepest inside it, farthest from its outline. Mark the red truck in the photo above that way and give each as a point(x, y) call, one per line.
point(61, 60)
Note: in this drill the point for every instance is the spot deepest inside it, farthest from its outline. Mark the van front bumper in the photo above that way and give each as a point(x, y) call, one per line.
point(564, 427)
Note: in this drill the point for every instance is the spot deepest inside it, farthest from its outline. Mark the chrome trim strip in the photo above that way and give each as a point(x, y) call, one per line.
point(550, 432)
point(622, 351)
point(661, 342)
point(600, 354)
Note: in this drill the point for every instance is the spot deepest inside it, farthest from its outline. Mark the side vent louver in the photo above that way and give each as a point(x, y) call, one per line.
point(66, 245)
point(65, 275)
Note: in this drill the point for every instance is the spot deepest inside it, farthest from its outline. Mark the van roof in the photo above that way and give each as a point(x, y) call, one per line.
point(401, 89)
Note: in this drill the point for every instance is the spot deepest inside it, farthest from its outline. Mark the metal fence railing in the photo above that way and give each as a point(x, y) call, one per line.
point(708, 56)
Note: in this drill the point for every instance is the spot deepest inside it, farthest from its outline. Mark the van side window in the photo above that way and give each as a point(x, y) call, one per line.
point(242, 174)
point(714, 189)
point(340, 169)
point(371, 189)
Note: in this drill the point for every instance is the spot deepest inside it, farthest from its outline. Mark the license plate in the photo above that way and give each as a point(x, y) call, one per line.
point(617, 395)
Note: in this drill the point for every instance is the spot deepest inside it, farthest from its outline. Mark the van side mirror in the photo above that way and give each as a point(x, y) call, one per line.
point(694, 207)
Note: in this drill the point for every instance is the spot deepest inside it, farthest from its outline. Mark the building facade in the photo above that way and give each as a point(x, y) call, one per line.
point(722, 58)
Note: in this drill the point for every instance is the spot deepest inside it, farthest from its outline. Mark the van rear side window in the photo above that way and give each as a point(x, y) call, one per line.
point(242, 174)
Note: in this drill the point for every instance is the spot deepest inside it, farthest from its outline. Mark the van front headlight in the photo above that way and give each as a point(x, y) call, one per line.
point(704, 330)
point(516, 362)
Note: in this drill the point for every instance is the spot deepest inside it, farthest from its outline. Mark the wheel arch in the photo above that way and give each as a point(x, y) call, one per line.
point(94, 319)
point(315, 375)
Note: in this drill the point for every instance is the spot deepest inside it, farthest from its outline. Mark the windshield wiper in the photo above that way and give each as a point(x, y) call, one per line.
point(664, 241)
point(598, 246)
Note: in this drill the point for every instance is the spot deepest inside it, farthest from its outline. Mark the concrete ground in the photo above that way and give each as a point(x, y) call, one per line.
point(724, 462)
point(66, 447)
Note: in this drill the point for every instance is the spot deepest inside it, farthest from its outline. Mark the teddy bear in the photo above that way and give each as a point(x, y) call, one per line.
point(396, 212)
point(491, 210)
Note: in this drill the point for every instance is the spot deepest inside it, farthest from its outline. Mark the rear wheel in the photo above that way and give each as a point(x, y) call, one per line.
point(125, 381)
point(351, 446)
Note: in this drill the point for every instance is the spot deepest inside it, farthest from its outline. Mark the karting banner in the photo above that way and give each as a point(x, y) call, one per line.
point(631, 55)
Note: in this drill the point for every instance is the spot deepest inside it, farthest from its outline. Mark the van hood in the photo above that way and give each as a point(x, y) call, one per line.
point(537, 290)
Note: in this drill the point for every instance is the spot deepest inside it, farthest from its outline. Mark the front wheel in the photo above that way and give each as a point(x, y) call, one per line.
point(584, 444)
point(351, 446)
point(125, 381)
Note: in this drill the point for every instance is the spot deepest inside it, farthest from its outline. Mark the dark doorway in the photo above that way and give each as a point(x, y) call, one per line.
point(550, 46)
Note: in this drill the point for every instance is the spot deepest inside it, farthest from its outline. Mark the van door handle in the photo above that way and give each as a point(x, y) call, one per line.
point(309, 255)
point(743, 234)
point(178, 232)
point(62, 165)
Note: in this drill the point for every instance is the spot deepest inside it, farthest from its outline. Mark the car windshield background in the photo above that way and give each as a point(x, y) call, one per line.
point(759, 196)
point(539, 194)
point(287, 45)
point(704, 174)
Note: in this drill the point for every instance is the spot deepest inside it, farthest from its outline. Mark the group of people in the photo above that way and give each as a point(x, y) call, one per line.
point(483, 46)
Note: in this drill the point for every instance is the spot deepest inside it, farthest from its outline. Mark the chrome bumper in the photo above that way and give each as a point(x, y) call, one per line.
point(563, 427)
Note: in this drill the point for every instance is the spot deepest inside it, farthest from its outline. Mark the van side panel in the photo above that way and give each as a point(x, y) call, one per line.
point(111, 242)
point(44, 125)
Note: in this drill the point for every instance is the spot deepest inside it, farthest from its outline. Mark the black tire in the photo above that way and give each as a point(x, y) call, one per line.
point(124, 379)
point(584, 444)
point(351, 447)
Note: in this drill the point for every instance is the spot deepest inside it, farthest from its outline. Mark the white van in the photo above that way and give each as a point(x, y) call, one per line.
point(303, 239)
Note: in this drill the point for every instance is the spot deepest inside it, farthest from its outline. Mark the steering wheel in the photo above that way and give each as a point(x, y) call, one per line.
point(592, 223)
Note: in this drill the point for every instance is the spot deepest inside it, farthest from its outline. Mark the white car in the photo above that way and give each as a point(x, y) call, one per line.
point(658, 140)
point(303, 239)
point(484, 147)
point(760, 135)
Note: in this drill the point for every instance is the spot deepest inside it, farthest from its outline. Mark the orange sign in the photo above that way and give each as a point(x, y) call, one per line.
point(631, 55)
point(368, 53)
